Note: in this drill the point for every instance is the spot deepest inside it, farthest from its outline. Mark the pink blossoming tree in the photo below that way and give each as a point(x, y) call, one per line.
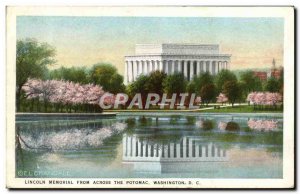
point(198, 100)
point(222, 98)
point(264, 99)
point(63, 94)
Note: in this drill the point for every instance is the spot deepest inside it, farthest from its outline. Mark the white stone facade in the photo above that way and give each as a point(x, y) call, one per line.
point(190, 59)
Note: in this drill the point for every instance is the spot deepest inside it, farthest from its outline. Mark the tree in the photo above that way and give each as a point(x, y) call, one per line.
point(62, 93)
point(222, 98)
point(174, 83)
point(202, 80)
point(198, 100)
point(208, 93)
point(78, 75)
point(139, 86)
point(233, 91)
point(250, 82)
point(222, 77)
point(107, 76)
point(31, 62)
point(116, 84)
point(280, 80)
point(272, 85)
point(191, 87)
point(264, 98)
point(155, 82)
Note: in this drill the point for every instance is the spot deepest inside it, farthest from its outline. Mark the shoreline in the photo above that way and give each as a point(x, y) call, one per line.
point(57, 116)
point(200, 114)
point(62, 114)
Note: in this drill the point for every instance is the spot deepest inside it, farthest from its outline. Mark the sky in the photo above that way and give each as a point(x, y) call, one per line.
point(85, 41)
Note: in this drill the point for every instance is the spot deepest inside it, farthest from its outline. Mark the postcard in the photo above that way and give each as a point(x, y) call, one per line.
point(150, 97)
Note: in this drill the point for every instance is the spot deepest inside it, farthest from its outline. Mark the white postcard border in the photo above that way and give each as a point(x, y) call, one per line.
point(187, 11)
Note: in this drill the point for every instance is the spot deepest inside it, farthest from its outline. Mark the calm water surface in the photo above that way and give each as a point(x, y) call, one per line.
point(151, 145)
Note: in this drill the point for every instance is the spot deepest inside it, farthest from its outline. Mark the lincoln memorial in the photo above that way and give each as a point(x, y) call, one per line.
point(190, 59)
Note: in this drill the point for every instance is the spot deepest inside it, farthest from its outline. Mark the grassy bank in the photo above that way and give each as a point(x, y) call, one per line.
point(209, 109)
point(241, 109)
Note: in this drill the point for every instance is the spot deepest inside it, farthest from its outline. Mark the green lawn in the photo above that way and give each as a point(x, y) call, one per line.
point(235, 109)
point(241, 109)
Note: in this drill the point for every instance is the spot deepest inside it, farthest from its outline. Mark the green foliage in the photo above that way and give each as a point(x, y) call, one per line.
point(208, 93)
point(202, 80)
point(32, 59)
point(103, 74)
point(107, 76)
point(280, 80)
point(116, 84)
point(233, 91)
point(78, 75)
point(144, 84)
point(272, 85)
point(222, 77)
point(250, 83)
point(174, 83)
point(139, 86)
point(191, 87)
point(155, 82)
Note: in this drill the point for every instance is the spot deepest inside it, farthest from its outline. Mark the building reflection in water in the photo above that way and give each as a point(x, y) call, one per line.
point(188, 154)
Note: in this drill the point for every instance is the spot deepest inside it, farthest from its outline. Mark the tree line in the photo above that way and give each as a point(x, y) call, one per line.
point(211, 88)
point(34, 59)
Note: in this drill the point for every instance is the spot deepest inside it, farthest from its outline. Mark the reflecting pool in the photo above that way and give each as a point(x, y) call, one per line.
point(151, 145)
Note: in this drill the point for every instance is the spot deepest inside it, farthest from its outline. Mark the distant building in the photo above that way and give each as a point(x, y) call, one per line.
point(273, 72)
point(276, 73)
point(263, 76)
point(190, 59)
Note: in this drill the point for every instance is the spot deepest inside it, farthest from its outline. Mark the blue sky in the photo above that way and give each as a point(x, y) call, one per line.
point(84, 41)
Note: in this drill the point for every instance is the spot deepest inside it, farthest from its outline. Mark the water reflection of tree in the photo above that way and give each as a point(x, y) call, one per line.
point(262, 124)
point(19, 151)
point(25, 159)
point(158, 138)
point(228, 126)
point(130, 122)
point(29, 138)
point(130, 125)
point(174, 119)
point(111, 147)
point(255, 138)
point(144, 120)
point(190, 120)
point(232, 126)
point(205, 124)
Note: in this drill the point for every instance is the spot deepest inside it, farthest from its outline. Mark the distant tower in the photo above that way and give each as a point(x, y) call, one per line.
point(273, 64)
